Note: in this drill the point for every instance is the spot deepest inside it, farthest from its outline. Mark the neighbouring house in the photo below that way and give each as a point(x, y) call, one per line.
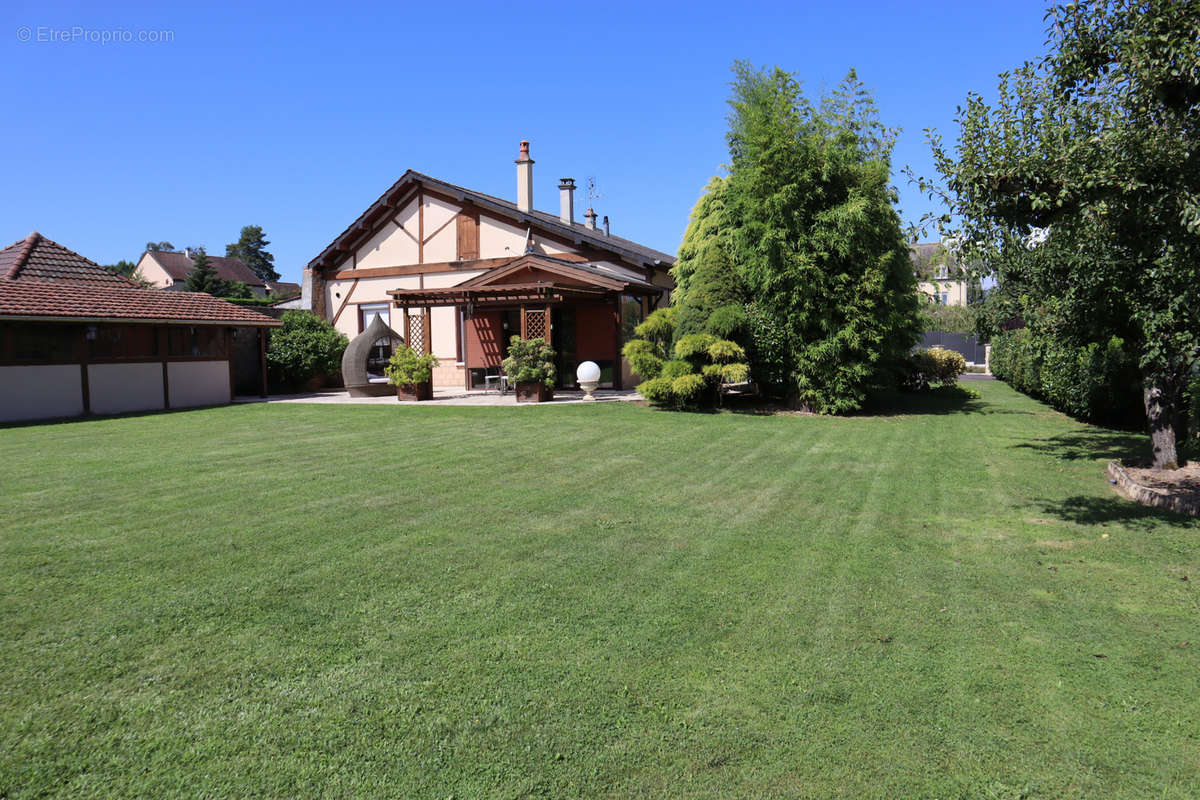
point(457, 273)
point(283, 290)
point(169, 270)
point(939, 277)
point(76, 339)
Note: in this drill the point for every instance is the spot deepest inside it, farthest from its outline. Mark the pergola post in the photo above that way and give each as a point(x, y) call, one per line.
point(618, 383)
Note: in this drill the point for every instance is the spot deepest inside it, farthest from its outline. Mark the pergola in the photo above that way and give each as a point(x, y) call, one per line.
point(535, 301)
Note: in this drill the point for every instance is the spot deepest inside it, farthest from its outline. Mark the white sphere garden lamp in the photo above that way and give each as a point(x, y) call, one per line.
point(588, 375)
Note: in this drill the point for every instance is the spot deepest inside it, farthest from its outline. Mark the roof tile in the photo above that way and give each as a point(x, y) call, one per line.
point(68, 301)
point(38, 258)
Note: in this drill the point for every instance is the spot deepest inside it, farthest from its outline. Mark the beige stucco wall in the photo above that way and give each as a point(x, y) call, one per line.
point(957, 291)
point(149, 269)
point(40, 392)
point(117, 388)
point(198, 383)
point(395, 243)
point(499, 239)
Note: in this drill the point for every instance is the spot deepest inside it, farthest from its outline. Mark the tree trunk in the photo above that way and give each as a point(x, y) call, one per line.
point(1162, 402)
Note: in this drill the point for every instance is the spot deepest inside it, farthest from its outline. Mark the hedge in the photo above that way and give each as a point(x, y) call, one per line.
point(1097, 382)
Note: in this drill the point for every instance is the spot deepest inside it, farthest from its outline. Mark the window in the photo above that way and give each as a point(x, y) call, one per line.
point(631, 315)
point(943, 272)
point(368, 313)
point(381, 349)
point(945, 298)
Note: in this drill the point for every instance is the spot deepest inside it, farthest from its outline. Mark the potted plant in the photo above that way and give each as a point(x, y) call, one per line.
point(530, 368)
point(411, 374)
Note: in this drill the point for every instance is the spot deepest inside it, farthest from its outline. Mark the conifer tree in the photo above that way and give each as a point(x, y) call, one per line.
point(251, 250)
point(203, 277)
point(804, 229)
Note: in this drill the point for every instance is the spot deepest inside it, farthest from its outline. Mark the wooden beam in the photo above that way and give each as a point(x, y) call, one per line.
point(229, 355)
point(164, 342)
point(427, 331)
point(420, 227)
point(84, 388)
point(262, 358)
point(345, 300)
point(441, 228)
point(617, 378)
point(416, 269)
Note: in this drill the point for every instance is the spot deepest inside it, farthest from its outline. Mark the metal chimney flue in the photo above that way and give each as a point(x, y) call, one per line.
point(606, 224)
point(566, 198)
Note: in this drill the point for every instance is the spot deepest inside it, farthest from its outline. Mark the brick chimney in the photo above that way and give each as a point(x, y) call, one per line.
point(590, 217)
point(566, 199)
point(524, 179)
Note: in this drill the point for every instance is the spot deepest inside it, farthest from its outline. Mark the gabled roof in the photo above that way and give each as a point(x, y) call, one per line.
point(178, 265)
point(587, 273)
point(37, 258)
point(283, 288)
point(506, 284)
point(576, 233)
point(927, 256)
point(76, 302)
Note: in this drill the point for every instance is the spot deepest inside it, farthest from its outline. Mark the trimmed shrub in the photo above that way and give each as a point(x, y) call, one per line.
point(644, 358)
point(694, 345)
point(728, 322)
point(934, 367)
point(305, 347)
point(1097, 382)
point(675, 369)
point(529, 361)
point(723, 351)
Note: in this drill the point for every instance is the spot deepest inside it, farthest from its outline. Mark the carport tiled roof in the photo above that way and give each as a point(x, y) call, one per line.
point(44, 300)
point(37, 258)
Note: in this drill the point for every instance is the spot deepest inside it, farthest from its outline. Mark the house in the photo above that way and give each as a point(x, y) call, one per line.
point(283, 289)
point(939, 277)
point(457, 273)
point(168, 270)
point(76, 339)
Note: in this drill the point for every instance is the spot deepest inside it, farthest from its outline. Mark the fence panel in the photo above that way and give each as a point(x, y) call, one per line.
point(974, 351)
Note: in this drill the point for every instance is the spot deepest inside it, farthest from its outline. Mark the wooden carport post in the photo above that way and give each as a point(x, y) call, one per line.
point(262, 358)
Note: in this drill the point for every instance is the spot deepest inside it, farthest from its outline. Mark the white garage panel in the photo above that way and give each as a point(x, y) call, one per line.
point(116, 388)
point(198, 383)
point(40, 392)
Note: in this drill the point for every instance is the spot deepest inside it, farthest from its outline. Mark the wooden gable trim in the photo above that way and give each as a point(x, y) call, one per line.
point(534, 262)
point(417, 269)
point(372, 223)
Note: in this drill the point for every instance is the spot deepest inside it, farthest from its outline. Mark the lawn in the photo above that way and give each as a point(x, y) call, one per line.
point(591, 601)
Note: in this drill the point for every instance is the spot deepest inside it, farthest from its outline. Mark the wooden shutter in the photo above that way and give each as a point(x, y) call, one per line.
point(468, 235)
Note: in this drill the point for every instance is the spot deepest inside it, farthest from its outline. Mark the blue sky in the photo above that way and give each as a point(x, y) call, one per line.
point(297, 116)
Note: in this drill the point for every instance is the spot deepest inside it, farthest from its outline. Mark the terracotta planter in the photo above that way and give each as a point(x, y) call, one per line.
point(407, 392)
point(533, 392)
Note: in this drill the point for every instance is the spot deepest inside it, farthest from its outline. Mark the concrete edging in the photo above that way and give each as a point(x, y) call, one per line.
point(1149, 496)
